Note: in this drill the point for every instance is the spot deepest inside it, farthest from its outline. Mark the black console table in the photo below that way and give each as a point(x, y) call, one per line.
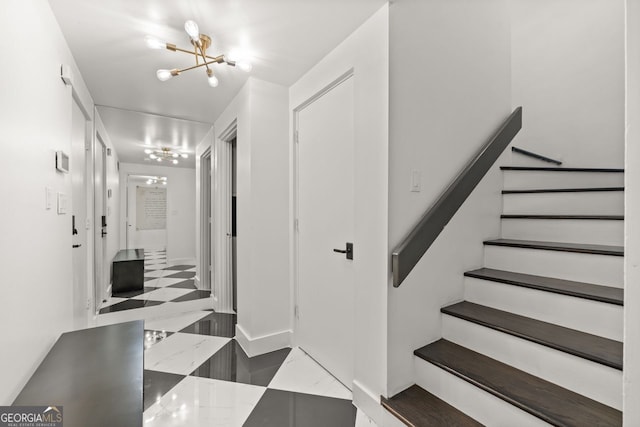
point(128, 271)
point(95, 374)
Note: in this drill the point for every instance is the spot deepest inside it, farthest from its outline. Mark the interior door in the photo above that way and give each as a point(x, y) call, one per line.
point(100, 221)
point(325, 292)
point(79, 217)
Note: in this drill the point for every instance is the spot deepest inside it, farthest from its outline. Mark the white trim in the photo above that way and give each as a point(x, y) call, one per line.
point(255, 346)
point(368, 402)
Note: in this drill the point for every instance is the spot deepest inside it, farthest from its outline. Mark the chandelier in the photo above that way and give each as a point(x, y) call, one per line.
point(165, 155)
point(200, 42)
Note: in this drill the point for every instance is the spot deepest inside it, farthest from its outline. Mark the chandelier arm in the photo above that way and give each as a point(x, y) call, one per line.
point(198, 66)
point(204, 57)
point(219, 59)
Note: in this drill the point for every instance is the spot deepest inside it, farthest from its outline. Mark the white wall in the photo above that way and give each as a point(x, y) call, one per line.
point(260, 111)
point(35, 249)
point(450, 91)
point(568, 74)
point(631, 409)
point(181, 208)
point(367, 52)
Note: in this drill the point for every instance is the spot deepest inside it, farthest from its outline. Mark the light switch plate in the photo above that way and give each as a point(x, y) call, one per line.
point(62, 203)
point(416, 180)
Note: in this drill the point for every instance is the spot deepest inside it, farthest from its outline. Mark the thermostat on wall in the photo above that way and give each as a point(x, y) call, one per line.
point(62, 161)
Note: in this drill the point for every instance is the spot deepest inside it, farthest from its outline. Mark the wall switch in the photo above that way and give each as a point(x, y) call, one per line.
point(416, 178)
point(48, 194)
point(62, 203)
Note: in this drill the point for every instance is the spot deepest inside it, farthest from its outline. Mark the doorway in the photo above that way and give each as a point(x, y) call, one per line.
point(146, 212)
point(101, 271)
point(325, 295)
point(79, 135)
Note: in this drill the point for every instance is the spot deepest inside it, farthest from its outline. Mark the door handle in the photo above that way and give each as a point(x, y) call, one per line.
point(104, 233)
point(348, 251)
point(76, 246)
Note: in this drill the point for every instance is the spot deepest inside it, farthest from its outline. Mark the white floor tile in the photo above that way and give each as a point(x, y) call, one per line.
point(175, 323)
point(155, 266)
point(300, 373)
point(156, 273)
point(196, 402)
point(163, 294)
point(182, 353)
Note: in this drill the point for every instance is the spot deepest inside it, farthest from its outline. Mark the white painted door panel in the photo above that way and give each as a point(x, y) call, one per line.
point(325, 211)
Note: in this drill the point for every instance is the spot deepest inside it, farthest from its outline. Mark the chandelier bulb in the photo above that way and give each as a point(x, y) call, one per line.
point(155, 43)
point(153, 156)
point(175, 161)
point(164, 75)
point(184, 155)
point(244, 65)
point(213, 81)
point(192, 29)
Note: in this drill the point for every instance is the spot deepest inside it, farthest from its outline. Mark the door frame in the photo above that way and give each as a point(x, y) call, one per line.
point(222, 278)
point(206, 219)
point(295, 205)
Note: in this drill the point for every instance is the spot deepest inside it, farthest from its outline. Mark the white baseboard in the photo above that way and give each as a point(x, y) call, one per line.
point(196, 281)
point(255, 346)
point(368, 402)
point(177, 261)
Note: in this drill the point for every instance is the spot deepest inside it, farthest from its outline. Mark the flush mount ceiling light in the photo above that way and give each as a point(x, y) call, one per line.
point(165, 155)
point(200, 42)
point(155, 179)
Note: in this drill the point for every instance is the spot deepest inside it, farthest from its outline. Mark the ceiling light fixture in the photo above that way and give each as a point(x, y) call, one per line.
point(200, 42)
point(166, 154)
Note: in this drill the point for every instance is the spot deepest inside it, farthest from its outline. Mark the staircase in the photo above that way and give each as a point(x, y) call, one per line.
point(538, 339)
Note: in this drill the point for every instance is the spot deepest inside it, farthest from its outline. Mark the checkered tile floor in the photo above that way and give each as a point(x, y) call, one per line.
point(163, 284)
point(196, 374)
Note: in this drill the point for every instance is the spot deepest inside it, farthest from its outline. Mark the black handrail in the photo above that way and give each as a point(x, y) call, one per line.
point(536, 156)
point(407, 254)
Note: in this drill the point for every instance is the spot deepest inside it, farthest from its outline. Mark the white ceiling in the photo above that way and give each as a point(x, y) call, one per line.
point(284, 37)
point(132, 132)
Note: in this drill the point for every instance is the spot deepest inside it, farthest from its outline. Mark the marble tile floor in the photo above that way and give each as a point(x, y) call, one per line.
point(163, 284)
point(196, 374)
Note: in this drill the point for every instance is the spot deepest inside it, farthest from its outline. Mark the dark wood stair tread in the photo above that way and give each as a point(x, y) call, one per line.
point(552, 169)
point(547, 401)
point(596, 217)
point(559, 246)
point(564, 190)
point(587, 346)
point(419, 408)
point(606, 294)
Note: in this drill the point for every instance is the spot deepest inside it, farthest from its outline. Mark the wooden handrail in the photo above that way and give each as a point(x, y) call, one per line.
point(407, 254)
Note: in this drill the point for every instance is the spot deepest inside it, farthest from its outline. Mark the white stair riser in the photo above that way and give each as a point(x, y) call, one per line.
point(598, 232)
point(572, 203)
point(473, 401)
point(585, 315)
point(526, 180)
point(596, 381)
point(604, 270)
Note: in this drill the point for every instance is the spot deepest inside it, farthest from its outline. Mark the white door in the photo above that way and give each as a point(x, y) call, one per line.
point(100, 218)
point(325, 194)
point(79, 218)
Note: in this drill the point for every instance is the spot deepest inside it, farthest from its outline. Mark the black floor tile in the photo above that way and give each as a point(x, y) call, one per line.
point(128, 305)
point(279, 408)
point(179, 267)
point(186, 284)
point(193, 295)
point(157, 384)
point(146, 279)
point(181, 275)
point(214, 324)
point(152, 337)
point(131, 294)
point(231, 363)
